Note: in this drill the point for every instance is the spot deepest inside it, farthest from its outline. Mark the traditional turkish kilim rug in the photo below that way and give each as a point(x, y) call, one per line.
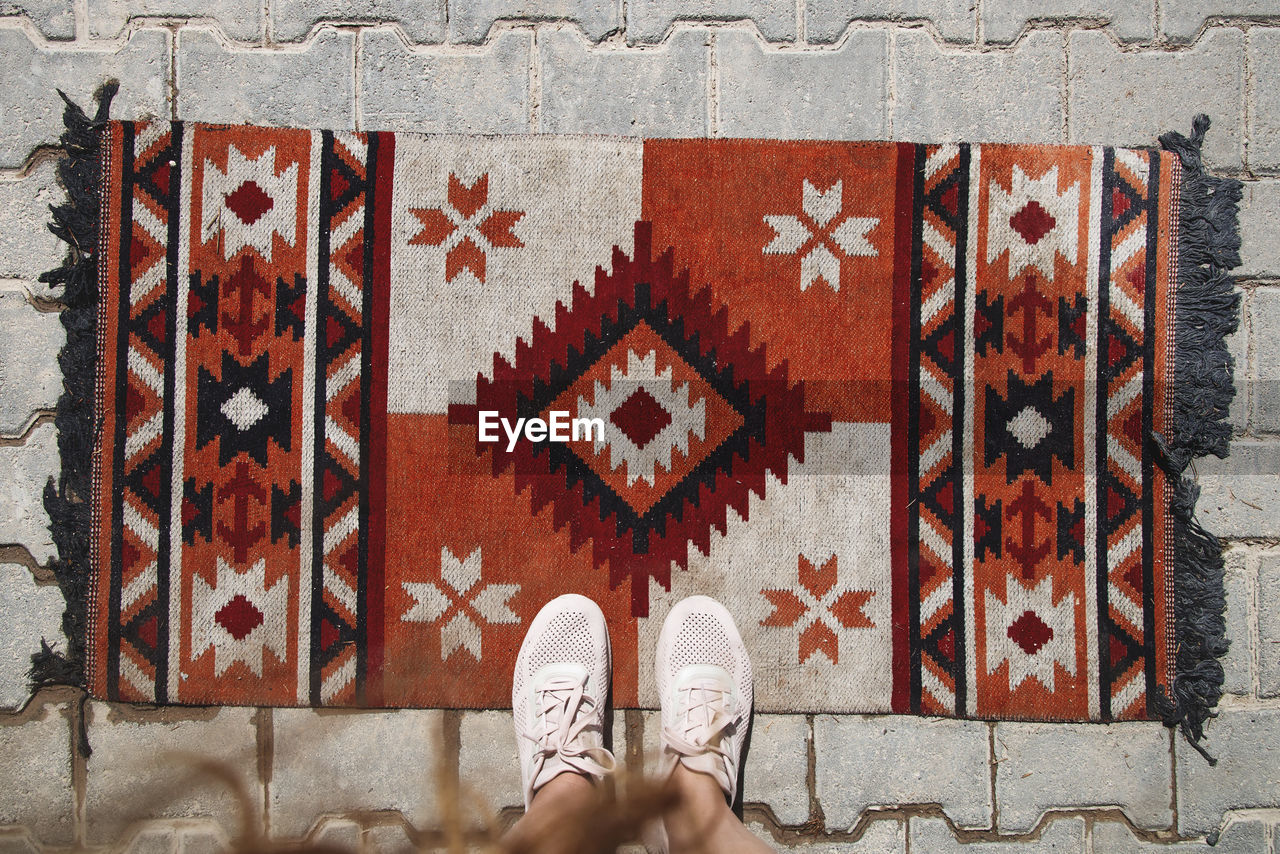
point(917, 414)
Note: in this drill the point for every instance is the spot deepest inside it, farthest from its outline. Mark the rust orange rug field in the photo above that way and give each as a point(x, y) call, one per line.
point(917, 414)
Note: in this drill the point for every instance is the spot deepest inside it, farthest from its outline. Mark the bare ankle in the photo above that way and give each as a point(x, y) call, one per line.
point(696, 787)
point(566, 789)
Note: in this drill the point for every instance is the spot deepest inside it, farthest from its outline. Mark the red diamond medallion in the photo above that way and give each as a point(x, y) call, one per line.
point(640, 418)
point(239, 617)
point(1030, 632)
point(249, 202)
point(1032, 222)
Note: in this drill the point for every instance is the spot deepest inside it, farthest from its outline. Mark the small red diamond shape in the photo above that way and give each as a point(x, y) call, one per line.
point(1133, 575)
point(149, 631)
point(156, 326)
point(947, 645)
point(1119, 202)
point(160, 178)
point(239, 617)
point(338, 183)
point(1118, 650)
point(1030, 632)
point(328, 634)
point(1032, 222)
point(928, 272)
point(949, 198)
point(640, 418)
point(249, 202)
point(189, 511)
point(133, 402)
point(139, 253)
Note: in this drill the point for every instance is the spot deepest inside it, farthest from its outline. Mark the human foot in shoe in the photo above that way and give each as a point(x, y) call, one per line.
point(704, 685)
point(558, 694)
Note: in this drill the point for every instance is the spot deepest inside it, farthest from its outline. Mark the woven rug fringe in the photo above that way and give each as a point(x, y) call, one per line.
point(1208, 307)
point(67, 501)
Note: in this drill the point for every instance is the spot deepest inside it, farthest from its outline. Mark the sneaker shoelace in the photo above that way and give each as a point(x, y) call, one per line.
point(565, 712)
point(709, 710)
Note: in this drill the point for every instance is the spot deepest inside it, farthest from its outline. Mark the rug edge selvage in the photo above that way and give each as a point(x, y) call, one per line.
point(1206, 311)
point(68, 500)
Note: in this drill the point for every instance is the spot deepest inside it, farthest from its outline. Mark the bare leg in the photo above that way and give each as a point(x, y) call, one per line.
point(703, 822)
point(553, 824)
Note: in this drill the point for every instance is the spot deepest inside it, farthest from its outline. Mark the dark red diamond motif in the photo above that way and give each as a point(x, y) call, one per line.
point(1118, 651)
point(1133, 575)
point(1119, 202)
point(640, 418)
point(338, 184)
point(239, 617)
point(189, 511)
point(161, 178)
point(149, 631)
point(249, 202)
point(139, 254)
point(949, 198)
point(928, 272)
point(328, 634)
point(947, 645)
point(1030, 632)
point(1032, 222)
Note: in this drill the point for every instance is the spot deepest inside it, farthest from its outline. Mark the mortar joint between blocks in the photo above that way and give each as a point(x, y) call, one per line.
point(357, 76)
point(78, 748)
point(713, 87)
point(535, 82)
point(1066, 25)
point(172, 95)
point(993, 769)
point(264, 724)
point(35, 420)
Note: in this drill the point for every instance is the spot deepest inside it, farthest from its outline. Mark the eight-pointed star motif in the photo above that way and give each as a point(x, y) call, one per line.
point(463, 600)
point(821, 235)
point(467, 228)
point(817, 608)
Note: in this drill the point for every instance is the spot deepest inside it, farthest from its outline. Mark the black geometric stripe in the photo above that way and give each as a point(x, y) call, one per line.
point(330, 348)
point(1114, 642)
point(156, 468)
point(949, 478)
point(366, 414)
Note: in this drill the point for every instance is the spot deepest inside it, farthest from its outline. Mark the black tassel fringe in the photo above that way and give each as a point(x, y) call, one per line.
point(67, 501)
point(1208, 310)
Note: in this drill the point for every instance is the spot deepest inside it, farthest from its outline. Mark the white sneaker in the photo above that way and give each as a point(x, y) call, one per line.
point(558, 694)
point(704, 685)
